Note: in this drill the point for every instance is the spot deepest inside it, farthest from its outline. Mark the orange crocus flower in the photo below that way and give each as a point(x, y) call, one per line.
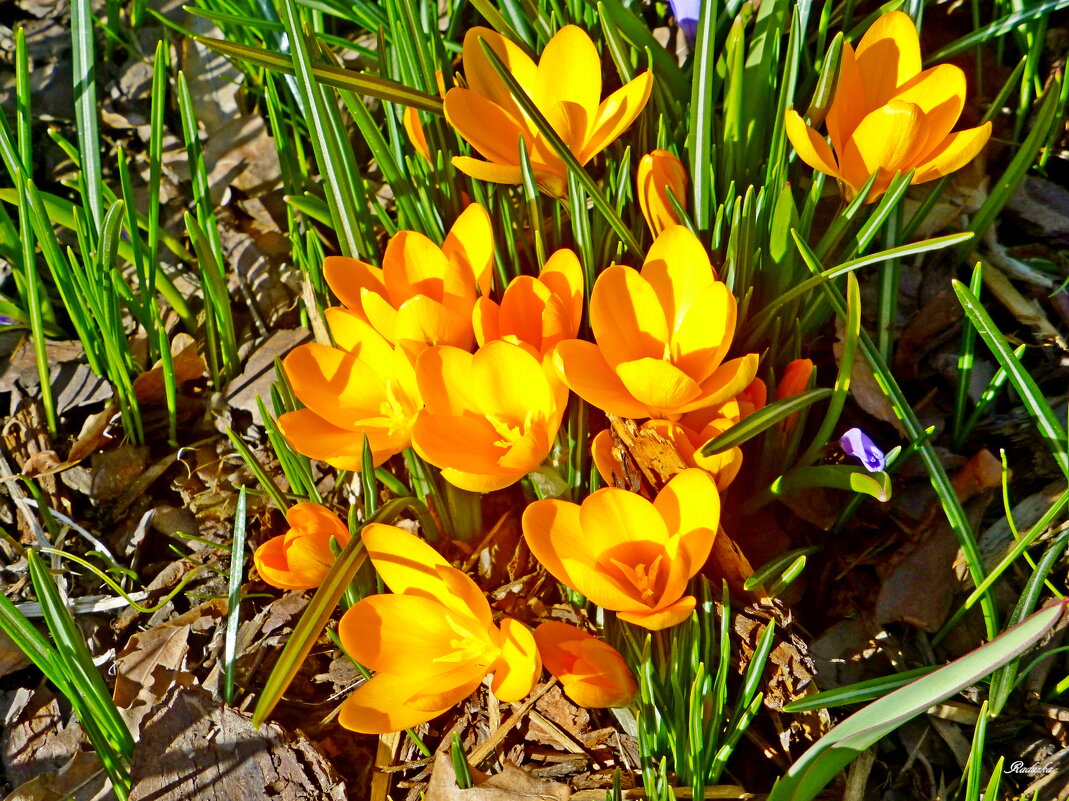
point(565, 86)
point(414, 128)
point(364, 386)
point(535, 312)
point(888, 115)
point(431, 643)
point(490, 417)
point(795, 381)
point(795, 378)
point(658, 173)
point(687, 436)
point(423, 294)
point(592, 672)
point(627, 554)
point(300, 558)
point(661, 336)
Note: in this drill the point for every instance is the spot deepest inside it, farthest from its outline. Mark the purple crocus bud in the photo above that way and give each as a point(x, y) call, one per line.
point(5, 320)
point(858, 444)
point(686, 13)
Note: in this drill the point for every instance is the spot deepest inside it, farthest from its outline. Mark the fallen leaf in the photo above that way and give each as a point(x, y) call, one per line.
point(193, 746)
point(12, 658)
point(511, 784)
point(187, 365)
point(81, 779)
point(259, 373)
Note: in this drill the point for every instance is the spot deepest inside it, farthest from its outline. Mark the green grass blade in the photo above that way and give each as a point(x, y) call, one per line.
point(868, 690)
point(832, 753)
point(233, 608)
point(764, 418)
point(330, 75)
point(1050, 429)
point(85, 109)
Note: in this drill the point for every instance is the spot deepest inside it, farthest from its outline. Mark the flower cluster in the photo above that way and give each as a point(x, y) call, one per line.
point(429, 357)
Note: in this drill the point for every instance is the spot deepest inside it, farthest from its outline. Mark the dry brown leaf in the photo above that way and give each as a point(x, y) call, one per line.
point(511, 784)
point(81, 779)
point(187, 364)
point(12, 657)
point(193, 746)
point(259, 373)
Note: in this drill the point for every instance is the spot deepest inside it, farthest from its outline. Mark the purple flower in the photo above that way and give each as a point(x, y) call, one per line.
point(858, 444)
point(5, 320)
point(686, 13)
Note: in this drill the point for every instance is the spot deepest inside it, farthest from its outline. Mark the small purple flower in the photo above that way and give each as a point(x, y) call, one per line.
point(858, 444)
point(686, 13)
point(5, 320)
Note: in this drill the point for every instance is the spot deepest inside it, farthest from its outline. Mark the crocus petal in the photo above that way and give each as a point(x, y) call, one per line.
point(483, 78)
point(616, 114)
point(442, 374)
point(422, 322)
point(468, 444)
point(659, 385)
point(487, 171)
point(523, 306)
point(847, 108)
point(858, 444)
point(335, 385)
point(309, 557)
point(677, 269)
point(660, 172)
point(355, 335)
point(602, 451)
point(593, 673)
point(405, 563)
point(343, 448)
point(486, 126)
point(564, 276)
point(387, 703)
point(883, 141)
point(585, 371)
point(728, 380)
point(557, 540)
point(610, 517)
point(347, 277)
point(481, 482)
point(689, 504)
point(463, 596)
point(810, 145)
point(519, 665)
point(316, 519)
point(379, 312)
point(471, 241)
point(273, 567)
point(888, 55)
point(795, 379)
point(486, 321)
point(703, 337)
point(663, 618)
point(416, 135)
point(955, 152)
point(413, 265)
point(940, 93)
point(626, 316)
point(397, 634)
point(508, 383)
point(568, 85)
